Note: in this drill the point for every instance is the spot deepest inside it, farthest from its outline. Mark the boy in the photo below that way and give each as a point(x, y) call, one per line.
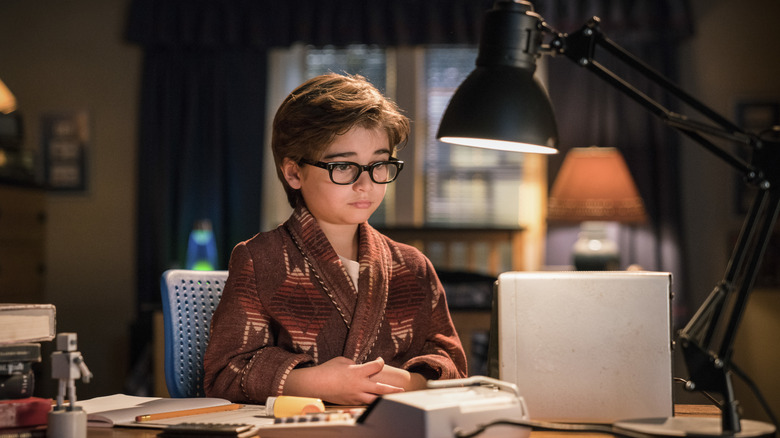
point(324, 305)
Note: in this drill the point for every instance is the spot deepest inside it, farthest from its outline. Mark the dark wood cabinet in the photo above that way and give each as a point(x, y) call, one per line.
point(22, 243)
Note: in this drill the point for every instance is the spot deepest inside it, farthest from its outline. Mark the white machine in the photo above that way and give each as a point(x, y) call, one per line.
point(587, 346)
point(438, 412)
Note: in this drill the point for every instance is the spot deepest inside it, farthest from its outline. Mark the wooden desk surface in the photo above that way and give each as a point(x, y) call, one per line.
point(121, 432)
point(696, 411)
point(679, 410)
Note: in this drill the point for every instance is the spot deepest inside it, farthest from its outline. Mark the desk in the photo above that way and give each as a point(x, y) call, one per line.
point(679, 410)
point(121, 432)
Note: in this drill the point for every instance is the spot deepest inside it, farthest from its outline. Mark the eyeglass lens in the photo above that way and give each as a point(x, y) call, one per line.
point(347, 173)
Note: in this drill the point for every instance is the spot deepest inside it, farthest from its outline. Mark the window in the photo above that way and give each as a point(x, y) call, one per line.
point(465, 185)
point(445, 184)
point(367, 61)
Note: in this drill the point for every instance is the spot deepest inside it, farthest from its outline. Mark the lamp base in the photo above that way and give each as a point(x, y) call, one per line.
point(596, 262)
point(594, 250)
point(693, 426)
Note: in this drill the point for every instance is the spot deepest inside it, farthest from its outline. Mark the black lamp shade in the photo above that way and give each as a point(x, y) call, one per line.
point(501, 107)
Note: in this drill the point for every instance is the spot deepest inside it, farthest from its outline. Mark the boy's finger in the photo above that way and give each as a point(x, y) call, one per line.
point(383, 388)
point(373, 367)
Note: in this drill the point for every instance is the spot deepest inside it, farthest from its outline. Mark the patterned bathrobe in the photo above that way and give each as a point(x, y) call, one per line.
point(289, 303)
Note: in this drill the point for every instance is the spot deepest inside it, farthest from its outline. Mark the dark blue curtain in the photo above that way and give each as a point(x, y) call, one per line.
point(203, 113)
point(200, 154)
point(204, 86)
point(203, 103)
point(280, 23)
point(203, 100)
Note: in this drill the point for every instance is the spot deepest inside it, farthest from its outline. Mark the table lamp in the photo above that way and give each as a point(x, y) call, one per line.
point(594, 187)
point(7, 99)
point(501, 105)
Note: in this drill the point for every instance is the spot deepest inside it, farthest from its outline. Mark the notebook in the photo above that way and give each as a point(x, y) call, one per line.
point(587, 346)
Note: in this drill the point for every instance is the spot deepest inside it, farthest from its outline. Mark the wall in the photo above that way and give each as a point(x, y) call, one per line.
point(69, 55)
point(732, 57)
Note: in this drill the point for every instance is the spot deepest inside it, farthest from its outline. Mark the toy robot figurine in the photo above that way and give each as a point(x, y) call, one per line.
point(67, 365)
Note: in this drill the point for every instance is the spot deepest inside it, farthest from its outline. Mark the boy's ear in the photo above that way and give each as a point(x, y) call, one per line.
point(292, 173)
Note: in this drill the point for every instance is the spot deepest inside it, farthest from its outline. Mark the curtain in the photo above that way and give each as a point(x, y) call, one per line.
point(200, 154)
point(204, 86)
point(202, 113)
point(279, 23)
point(203, 102)
point(202, 106)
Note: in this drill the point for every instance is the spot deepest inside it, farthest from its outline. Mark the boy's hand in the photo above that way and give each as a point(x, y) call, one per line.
point(342, 381)
point(400, 378)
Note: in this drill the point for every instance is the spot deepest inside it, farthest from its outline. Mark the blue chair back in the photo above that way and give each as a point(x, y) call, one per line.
point(189, 299)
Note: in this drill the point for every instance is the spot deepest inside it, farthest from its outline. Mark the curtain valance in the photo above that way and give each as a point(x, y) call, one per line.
point(279, 23)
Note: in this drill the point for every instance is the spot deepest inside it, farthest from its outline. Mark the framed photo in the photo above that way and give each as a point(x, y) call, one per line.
point(65, 137)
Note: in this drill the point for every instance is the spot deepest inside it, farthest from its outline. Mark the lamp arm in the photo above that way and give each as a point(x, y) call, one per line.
point(580, 47)
point(707, 340)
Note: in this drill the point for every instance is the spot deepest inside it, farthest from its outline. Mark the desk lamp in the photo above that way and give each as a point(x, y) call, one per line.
point(501, 105)
point(594, 187)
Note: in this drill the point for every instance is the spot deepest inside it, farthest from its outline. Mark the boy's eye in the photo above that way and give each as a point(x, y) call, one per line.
point(343, 167)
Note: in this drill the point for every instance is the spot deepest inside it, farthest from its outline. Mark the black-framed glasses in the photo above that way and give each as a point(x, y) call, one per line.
point(346, 172)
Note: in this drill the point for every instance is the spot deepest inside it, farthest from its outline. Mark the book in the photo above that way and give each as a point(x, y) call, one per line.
point(27, 323)
point(24, 412)
point(21, 352)
point(15, 367)
point(17, 386)
point(121, 409)
point(24, 432)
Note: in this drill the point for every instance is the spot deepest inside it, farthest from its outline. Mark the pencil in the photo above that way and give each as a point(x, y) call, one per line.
point(187, 412)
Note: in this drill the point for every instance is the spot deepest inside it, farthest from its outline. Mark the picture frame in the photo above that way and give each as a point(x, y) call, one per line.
point(65, 136)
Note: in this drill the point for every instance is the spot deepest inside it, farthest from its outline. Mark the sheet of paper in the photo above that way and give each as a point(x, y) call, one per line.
point(121, 409)
point(111, 402)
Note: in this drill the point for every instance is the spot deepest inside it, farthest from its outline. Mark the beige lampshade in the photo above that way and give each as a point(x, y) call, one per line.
point(7, 99)
point(594, 184)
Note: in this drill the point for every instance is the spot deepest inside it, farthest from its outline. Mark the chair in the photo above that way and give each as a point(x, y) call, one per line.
point(189, 299)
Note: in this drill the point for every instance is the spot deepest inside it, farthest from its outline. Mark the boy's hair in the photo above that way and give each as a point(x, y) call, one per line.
point(311, 117)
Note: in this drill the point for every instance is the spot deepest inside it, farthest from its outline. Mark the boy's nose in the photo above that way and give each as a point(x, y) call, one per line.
point(363, 182)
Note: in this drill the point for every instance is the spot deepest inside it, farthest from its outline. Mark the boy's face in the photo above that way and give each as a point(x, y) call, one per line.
point(334, 204)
